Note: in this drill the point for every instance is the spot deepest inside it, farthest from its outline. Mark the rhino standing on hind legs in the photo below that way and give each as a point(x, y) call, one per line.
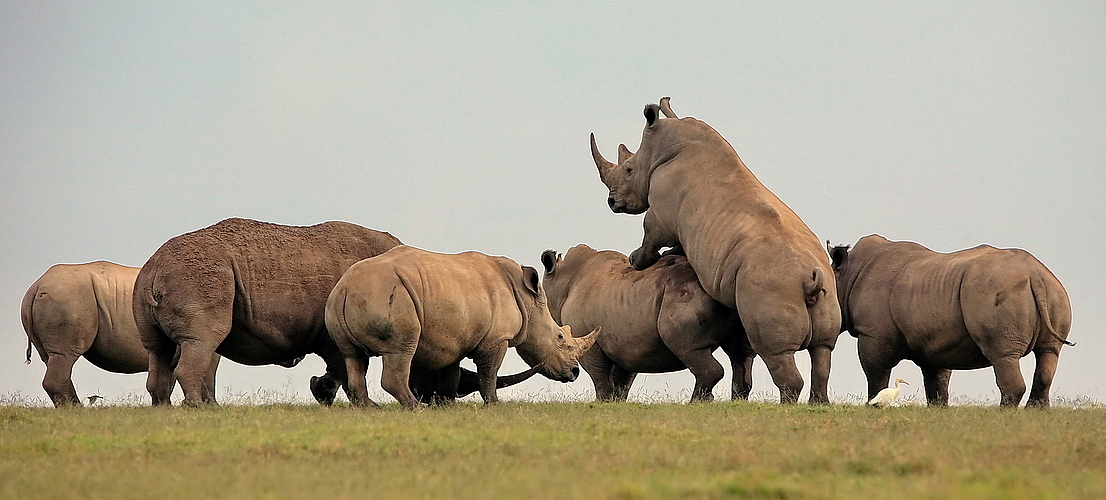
point(424, 312)
point(251, 291)
point(750, 251)
point(76, 310)
point(963, 310)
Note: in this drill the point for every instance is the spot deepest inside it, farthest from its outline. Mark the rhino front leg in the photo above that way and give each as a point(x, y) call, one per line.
point(654, 240)
point(1042, 377)
point(488, 360)
point(621, 381)
point(936, 381)
point(58, 382)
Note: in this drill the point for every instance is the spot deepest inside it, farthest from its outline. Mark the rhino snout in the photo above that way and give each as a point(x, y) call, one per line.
point(611, 202)
point(575, 373)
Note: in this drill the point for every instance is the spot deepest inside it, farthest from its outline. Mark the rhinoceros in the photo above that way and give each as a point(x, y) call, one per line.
point(750, 251)
point(970, 309)
point(251, 291)
point(657, 320)
point(425, 311)
point(439, 387)
point(76, 310)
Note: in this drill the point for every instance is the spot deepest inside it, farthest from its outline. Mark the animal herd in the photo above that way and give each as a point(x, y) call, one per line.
point(742, 273)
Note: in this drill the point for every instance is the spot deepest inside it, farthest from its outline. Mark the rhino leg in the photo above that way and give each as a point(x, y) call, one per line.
point(58, 382)
point(1042, 377)
point(1011, 385)
point(488, 359)
point(936, 381)
point(651, 244)
point(785, 375)
point(159, 380)
point(621, 380)
point(820, 357)
point(447, 382)
point(357, 386)
point(741, 363)
point(598, 366)
point(193, 372)
point(396, 378)
point(706, 370)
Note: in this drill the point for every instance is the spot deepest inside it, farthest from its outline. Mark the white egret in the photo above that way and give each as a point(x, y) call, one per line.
point(886, 396)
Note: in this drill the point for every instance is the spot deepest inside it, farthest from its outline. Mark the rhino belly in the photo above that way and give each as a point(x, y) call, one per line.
point(254, 348)
point(959, 353)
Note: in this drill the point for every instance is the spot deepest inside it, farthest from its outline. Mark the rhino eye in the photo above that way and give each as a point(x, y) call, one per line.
point(560, 336)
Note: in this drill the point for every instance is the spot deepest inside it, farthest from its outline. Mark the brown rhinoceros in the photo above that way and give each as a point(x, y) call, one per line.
point(657, 320)
point(77, 310)
point(252, 291)
point(424, 311)
point(963, 310)
point(749, 250)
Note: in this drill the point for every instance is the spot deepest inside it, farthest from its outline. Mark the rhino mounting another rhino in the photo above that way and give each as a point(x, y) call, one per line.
point(970, 309)
point(750, 251)
point(252, 291)
point(423, 312)
point(76, 310)
point(657, 320)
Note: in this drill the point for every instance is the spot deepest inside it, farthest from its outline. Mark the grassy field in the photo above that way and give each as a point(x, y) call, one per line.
point(552, 450)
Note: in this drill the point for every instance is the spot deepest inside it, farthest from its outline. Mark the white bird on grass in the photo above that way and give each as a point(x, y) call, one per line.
point(886, 396)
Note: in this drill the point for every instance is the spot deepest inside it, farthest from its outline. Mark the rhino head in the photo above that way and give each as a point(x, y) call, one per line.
point(628, 180)
point(544, 342)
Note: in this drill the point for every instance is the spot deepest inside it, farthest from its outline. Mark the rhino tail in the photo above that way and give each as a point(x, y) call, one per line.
point(813, 287)
point(27, 316)
point(1040, 296)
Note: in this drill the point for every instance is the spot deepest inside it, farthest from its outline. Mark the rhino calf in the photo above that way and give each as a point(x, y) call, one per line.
point(963, 310)
point(657, 320)
point(76, 310)
point(423, 312)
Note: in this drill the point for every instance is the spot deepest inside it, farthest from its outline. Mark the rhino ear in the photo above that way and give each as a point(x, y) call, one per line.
point(623, 154)
point(549, 260)
point(840, 256)
point(530, 279)
point(651, 114)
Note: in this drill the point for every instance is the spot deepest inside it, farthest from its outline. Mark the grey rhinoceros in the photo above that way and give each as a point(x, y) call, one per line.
point(76, 310)
point(750, 251)
point(251, 291)
point(974, 308)
point(424, 311)
point(657, 320)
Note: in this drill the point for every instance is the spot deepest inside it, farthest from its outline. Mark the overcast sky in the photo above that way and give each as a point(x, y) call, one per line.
point(465, 127)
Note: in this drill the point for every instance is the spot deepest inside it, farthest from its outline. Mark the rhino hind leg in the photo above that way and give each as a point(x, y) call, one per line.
point(58, 381)
point(741, 364)
point(936, 381)
point(1042, 378)
point(396, 378)
point(706, 370)
point(820, 357)
point(1011, 384)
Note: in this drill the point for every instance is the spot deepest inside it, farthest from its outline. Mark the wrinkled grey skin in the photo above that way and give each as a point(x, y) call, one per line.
point(963, 310)
point(76, 310)
point(424, 312)
point(657, 320)
point(252, 291)
point(750, 251)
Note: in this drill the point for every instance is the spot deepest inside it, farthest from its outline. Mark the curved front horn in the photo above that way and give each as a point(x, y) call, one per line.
point(667, 108)
point(509, 380)
point(584, 343)
point(601, 163)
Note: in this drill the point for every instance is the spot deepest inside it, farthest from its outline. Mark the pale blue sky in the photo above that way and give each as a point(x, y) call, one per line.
point(465, 127)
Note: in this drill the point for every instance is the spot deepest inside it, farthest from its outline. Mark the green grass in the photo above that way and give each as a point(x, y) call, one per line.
point(552, 450)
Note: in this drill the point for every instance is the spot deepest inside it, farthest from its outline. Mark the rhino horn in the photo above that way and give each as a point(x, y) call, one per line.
point(509, 380)
point(584, 343)
point(604, 166)
point(667, 108)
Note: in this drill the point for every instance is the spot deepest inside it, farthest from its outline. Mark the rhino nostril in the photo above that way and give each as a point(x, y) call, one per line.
point(575, 372)
point(611, 202)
